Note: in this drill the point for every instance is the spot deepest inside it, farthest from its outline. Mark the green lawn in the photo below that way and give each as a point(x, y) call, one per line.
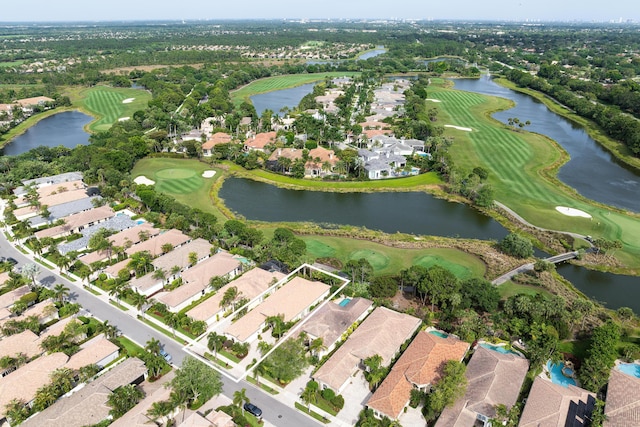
point(271, 84)
point(107, 104)
point(388, 260)
point(180, 178)
point(12, 63)
point(523, 167)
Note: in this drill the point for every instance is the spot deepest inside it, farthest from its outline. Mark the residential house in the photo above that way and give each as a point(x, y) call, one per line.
point(44, 181)
point(195, 281)
point(321, 162)
point(154, 245)
point(28, 211)
point(114, 224)
point(259, 141)
point(24, 382)
point(52, 190)
point(9, 298)
point(420, 367)
point(113, 270)
point(251, 284)
point(215, 139)
point(45, 311)
point(332, 320)
point(213, 419)
point(381, 333)
point(125, 239)
point(292, 300)
point(147, 285)
point(26, 343)
point(493, 378)
point(179, 257)
point(553, 405)
point(88, 405)
point(97, 351)
point(63, 210)
point(77, 222)
point(622, 407)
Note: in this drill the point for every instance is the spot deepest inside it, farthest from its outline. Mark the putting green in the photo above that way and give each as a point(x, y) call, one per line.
point(175, 173)
point(458, 270)
point(377, 260)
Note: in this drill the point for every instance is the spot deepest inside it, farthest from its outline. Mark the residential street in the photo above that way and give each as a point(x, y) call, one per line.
point(274, 412)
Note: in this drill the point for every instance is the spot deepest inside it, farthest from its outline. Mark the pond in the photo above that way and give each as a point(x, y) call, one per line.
point(278, 99)
point(391, 212)
point(65, 129)
point(592, 170)
point(379, 50)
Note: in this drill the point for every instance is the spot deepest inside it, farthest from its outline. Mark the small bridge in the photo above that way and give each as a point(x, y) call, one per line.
point(529, 266)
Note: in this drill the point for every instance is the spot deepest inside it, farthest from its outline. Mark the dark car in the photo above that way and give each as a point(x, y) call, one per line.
point(253, 409)
point(12, 261)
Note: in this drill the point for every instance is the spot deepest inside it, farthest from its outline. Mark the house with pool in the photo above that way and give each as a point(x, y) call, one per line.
point(493, 378)
point(420, 366)
point(623, 396)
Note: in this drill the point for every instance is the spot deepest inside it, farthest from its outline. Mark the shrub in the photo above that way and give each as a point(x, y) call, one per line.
point(338, 402)
point(328, 394)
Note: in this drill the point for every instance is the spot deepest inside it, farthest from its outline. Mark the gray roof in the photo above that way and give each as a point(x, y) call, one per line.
point(63, 210)
point(116, 223)
point(54, 179)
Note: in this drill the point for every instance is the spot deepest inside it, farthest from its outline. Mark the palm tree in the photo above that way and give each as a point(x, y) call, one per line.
point(160, 274)
point(173, 321)
point(240, 398)
point(193, 258)
point(259, 370)
point(60, 292)
point(139, 301)
point(110, 331)
point(31, 271)
point(317, 346)
point(215, 342)
point(309, 396)
point(166, 248)
point(153, 346)
point(229, 297)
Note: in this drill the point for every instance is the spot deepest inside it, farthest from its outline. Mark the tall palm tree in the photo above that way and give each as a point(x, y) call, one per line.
point(153, 346)
point(240, 398)
point(139, 301)
point(60, 292)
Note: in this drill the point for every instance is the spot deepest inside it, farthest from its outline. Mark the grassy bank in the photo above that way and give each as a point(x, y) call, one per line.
point(523, 168)
point(271, 84)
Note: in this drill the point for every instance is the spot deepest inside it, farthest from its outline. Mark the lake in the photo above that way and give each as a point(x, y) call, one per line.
point(278, 99)
point(391, 212)
point(65, 129)
point(592, 170)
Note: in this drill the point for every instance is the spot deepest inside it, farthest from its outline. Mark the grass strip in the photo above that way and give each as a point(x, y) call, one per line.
point(161, 329)
point(263, 386)
point(314, 414)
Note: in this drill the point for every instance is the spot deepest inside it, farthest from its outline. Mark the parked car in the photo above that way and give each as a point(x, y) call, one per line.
point(166, 355)
point(253, 409)
point(12, 261)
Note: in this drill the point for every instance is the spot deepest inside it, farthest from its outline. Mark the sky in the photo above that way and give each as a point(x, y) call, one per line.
point(128, 10)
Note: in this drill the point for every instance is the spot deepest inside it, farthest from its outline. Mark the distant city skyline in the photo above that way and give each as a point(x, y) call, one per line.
point(511, 10)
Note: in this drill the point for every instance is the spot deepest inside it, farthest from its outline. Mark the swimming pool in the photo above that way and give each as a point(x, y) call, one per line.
point(499, 348)
point(557, 377)
point(439, 334)
point(632, 369)
point(344, 302)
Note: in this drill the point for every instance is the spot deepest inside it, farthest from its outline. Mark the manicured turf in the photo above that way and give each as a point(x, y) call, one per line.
point(271, 84)
point(105, 103)
point(518, 162)
point(388, 260)
point(181, 179)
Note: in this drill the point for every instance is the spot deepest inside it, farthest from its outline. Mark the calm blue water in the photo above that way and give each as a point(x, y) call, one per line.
point(278, 99)
point(632, 369)
point(557, 377)
point(60, 129)
point(439, 334)
point(344, 302)
point(499, 348)
point(379, 50)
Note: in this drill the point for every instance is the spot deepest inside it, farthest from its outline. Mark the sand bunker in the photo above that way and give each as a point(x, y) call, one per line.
point(143, 180)
point(459, 128)
point(208, 174)
point(572, 212)
point(432, 100)
point(128, 100)
point(123, 119)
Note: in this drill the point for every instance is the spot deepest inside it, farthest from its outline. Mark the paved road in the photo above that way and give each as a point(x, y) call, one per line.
point(274, 412)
